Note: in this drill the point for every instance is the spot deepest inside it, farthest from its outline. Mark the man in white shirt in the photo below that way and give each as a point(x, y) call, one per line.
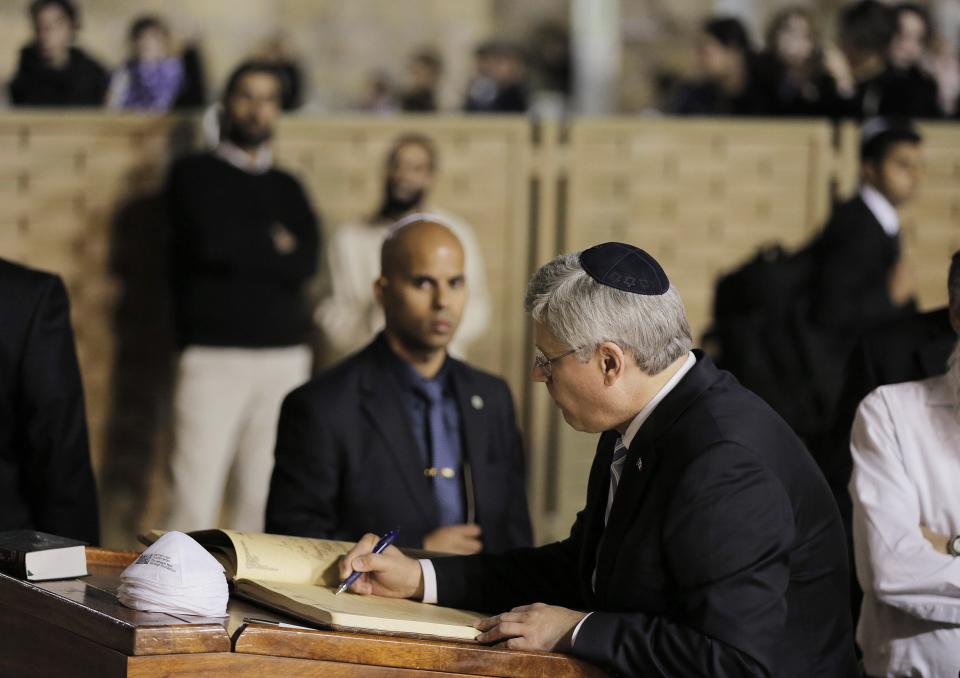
point(906, 520)
point(350, 315)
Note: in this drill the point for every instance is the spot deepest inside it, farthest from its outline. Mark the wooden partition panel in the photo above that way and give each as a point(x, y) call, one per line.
point(700, 196)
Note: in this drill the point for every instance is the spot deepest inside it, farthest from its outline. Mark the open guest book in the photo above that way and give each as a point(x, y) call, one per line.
point(298, 576)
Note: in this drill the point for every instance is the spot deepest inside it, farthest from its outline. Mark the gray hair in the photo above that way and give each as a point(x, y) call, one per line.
point(583, 314)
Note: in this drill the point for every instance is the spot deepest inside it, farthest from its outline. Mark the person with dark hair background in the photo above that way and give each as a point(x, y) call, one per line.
point(500, 83)
point(862, 279)
point(349, 314)
point(52, 71)
point(727, 85)
point(424, 69)
point(859, 278)
point(244, 244)
point(905, 87)
point(276, 50)
point(865, 32)
point(153, 77)
point(799, 76)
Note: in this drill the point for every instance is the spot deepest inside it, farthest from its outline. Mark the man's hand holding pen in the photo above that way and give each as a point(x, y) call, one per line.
point(390, 573)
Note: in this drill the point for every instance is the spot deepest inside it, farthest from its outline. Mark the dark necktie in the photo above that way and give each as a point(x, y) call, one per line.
point(616, 468)
point(444, 456)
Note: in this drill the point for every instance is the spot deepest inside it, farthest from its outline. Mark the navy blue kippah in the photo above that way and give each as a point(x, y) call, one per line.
point(624, 267)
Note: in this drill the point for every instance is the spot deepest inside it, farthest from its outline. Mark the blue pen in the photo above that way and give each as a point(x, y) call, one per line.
point(384, 542)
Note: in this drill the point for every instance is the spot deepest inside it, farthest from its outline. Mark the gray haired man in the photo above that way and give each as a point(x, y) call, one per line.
point(709, 543)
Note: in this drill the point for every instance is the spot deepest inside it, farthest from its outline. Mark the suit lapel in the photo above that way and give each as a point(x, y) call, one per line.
point(382, 404)
point(598, 488)
point(635, 480)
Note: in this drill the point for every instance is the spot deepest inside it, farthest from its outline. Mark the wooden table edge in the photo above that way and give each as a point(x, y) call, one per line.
point(396, 652)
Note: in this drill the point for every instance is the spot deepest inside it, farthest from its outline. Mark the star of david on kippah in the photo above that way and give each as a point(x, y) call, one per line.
point(624, 267)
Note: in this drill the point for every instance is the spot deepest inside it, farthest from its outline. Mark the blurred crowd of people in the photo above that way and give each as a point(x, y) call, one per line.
point(884, 65)
point(886, 59)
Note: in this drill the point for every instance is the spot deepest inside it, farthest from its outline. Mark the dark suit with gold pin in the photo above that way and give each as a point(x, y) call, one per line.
point(350, 460)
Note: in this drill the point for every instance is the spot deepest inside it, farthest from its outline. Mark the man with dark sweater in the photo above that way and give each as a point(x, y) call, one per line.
point(244, 243)
point(46, 482)
point(52, 72)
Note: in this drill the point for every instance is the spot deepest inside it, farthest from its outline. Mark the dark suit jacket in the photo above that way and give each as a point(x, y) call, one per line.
point(347, 461)
point(855, 257)
point(46, 482)
point(910, 348)
point(723, 555)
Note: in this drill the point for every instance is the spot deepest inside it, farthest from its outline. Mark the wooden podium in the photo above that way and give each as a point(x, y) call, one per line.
point(78, 628)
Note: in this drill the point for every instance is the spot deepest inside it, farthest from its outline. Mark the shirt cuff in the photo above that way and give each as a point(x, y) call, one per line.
point(576, 629)
point(429, 581)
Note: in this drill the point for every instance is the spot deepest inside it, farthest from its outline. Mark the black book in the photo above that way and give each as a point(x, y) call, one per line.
point(37, 556)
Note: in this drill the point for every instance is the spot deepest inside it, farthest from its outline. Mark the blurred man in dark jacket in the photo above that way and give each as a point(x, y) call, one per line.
point(46, 482)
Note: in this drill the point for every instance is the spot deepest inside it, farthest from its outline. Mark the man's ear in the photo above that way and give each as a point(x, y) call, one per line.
point(611, 361)
point(379, 285)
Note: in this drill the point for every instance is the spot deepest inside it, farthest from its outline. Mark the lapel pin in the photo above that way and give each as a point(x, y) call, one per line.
point(477, 402)
point(639, 464)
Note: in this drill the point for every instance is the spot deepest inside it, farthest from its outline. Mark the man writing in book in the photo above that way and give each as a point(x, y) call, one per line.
point(400, 435)
point(709, 544)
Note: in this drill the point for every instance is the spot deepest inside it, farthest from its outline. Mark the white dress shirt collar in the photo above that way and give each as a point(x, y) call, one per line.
point(648, 409)
point(881, 208)
point(260, 163)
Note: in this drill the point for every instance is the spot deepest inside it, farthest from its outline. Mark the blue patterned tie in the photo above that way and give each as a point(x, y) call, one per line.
point(444, 449)
point(616, 468)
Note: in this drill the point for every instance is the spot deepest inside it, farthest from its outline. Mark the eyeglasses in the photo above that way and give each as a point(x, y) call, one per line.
point(546, 364)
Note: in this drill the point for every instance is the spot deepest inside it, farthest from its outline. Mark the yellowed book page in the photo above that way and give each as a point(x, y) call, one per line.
point(293, 560)
point(319, 603)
